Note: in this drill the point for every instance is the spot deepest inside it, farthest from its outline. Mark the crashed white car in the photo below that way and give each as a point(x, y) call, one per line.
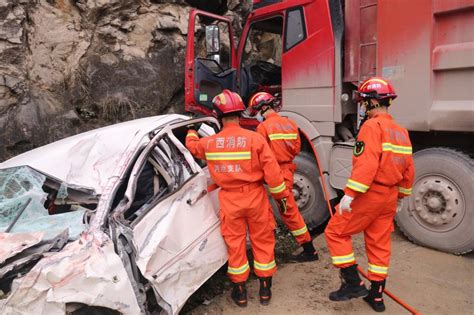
point(117, 220)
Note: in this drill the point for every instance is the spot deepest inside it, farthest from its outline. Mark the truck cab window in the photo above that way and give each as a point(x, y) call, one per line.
point(212, 60)
point(263, 42)
point(295, 31)
point(261, 59)
point(218, 60)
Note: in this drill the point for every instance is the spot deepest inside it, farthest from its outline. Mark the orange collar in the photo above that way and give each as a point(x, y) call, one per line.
point(231, 125)
point(383, 115)
point(272, 115)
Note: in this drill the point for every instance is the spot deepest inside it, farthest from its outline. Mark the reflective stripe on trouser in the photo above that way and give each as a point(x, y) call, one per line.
point(380, 270)
point(240, 210)
point(372, 213)
point(292, 218)
point(264, 267)
point(238, 271)
point(343, 260)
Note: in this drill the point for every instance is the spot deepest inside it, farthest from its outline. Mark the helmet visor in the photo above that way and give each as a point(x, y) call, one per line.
point(359, 96)
point(253, 110)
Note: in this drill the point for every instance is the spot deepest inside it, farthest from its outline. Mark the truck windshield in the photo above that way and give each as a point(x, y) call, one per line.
point(264, 42)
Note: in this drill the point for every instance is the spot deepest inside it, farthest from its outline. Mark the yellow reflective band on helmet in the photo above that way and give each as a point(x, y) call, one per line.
point(301, 231)
point(239, 270)
point(352, 184)
point(264, 267)
point(255, 96)
point(378, 269)
point(387, 146)
point(228, 156)
point(283, 136)
point(192, 134)
point(278, 189)
point(339, 260)
point(222, 98)
point(406, 191)
point(372, 80)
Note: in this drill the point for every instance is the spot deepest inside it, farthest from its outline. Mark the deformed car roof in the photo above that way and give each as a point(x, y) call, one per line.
point(90, 158)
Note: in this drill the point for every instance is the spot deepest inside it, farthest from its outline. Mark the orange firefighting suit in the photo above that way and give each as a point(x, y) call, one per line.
point(239, 160)
point(284, 139)
point(382, 172)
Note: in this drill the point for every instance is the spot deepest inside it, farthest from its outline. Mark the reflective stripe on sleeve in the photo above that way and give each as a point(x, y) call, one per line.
point(228, 156)
point(301, 231)
point(400, 149)
point(239, 270)
point(352, 184)
point(406, 191)
point(192, 134)
point(264, 267)
point(278, 189)
point(378, 269)
point(339, 260)
point(283, 136)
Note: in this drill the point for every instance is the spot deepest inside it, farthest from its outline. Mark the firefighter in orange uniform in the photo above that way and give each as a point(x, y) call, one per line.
point(283, 137)
point(239, 162)
point(382, 175)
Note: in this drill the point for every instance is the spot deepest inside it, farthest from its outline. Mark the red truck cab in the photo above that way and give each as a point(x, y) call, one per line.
point(314, 53)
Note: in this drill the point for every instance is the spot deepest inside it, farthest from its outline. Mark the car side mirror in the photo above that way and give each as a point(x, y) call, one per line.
point(213, 42)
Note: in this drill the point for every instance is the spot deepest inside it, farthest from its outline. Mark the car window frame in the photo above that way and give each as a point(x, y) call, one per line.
point(143, 157)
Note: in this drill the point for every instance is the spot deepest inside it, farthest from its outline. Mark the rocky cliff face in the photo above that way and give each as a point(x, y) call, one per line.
point(67, 66)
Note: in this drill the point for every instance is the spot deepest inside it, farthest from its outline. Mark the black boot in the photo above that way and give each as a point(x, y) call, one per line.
point(375, 296)
point(265, 290)
point(352, 286)
point(239, 294)
point(308, 253)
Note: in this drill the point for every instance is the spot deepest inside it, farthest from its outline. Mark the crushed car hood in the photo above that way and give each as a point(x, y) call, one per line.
point(89, 159)
point(13, 244)
point(85, 271)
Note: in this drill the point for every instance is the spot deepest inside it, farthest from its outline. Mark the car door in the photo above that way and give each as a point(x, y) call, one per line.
point(210, 60)
point(176, 232)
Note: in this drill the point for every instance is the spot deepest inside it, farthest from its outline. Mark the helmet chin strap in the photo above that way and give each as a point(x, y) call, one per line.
point(265, 108)
point(369, 106)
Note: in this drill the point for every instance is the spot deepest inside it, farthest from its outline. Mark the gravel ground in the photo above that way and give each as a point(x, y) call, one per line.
point(430, 281)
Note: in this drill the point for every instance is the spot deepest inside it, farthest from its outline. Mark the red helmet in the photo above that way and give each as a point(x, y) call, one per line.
point(377, 88)
point(258, 100)
point(227, 102)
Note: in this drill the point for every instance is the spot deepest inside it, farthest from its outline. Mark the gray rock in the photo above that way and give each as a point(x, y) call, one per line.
point(74, 65)
point(143, 10)
point(70, 115)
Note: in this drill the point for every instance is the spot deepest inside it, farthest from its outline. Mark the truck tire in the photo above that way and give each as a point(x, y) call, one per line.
point(308, 191)
point(440, 212)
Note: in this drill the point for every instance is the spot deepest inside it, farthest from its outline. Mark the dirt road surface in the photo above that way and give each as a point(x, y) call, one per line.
point(432, 282)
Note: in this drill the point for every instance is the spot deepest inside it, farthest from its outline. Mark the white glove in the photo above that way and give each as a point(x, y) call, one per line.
point(345, 204)
point(399, 205)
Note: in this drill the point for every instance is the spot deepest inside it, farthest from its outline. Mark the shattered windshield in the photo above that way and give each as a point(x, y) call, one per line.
point(32, 202)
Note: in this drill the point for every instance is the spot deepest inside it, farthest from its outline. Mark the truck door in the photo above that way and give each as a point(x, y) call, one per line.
point(210, 60)
point(289, 49)
point(260, 55)
point(308, 64)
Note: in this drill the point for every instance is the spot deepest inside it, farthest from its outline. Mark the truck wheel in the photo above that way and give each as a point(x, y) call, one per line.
point(440, 212)
point(308, 191)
